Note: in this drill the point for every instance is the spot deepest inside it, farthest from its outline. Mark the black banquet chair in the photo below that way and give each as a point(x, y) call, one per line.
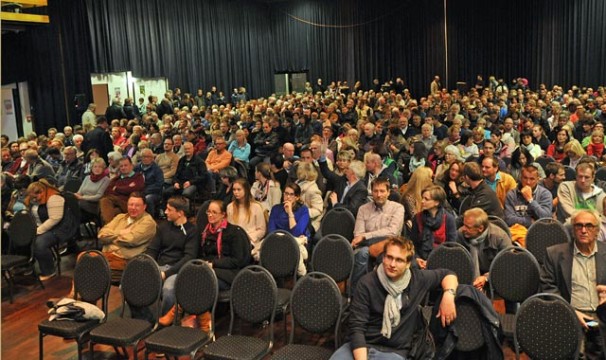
point(254, 296)
point(514, 286)
point(455, 257)
point(570, 173)
point(500, 223)
point(141, 288)
point(280, 256)
point(92, 281)
point(315, 306)
point(338, 221)
point(543, 234)
point(196, 291)
point(334, 256)
point(20, 257)
point(547, 328)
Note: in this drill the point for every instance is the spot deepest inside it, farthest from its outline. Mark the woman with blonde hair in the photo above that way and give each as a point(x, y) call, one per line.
point(574, 152)
point(247, 213)
point(411, 197)
point(55, 223)
point(311, 195)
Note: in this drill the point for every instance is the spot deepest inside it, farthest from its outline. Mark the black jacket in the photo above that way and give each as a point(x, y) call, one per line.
point(98, 139)
point(174, 245)
point(193, 170)
point(356, 196)
point(446, 338)
point(235, 252)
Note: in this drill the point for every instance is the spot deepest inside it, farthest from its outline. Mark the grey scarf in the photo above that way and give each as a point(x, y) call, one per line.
point(474, 249)
point(391, 311)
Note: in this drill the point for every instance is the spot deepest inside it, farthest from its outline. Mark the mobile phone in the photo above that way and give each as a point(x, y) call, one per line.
point(592, 323)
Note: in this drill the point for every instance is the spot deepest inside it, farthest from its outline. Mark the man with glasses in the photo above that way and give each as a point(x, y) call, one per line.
point(384, 317)
point(218, 158)
point(575, 270)
point(154, 180)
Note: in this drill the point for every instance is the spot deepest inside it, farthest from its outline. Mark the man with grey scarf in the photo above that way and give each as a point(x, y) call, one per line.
point(483, 240)
point(385, 317)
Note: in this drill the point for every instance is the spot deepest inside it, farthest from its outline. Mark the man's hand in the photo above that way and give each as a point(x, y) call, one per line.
point(583, 319)
point(186, 184)
point(177, 186)
point(333, 198)
point(448, 310)
point(526, 192)
point(422, 263)
point(602, 293)
point(480, 282)
point(356, 241)
point(163, 275)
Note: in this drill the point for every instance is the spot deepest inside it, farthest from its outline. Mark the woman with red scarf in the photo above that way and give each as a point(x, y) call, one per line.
point(223, 246)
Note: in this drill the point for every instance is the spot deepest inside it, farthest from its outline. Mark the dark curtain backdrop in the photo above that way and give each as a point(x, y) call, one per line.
point(55, 60)
point(547, 41)
point(228, 43)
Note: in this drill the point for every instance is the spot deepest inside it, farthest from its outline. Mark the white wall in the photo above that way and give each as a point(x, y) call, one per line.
point(117, 84)
point(8, 110)
point(144, 87)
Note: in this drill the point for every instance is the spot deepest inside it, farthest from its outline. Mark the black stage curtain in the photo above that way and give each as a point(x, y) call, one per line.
point(55, 60)
point(547, 41)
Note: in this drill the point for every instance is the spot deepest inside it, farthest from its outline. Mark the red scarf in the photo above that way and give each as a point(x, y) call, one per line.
point(219, 231)
point(94, 178)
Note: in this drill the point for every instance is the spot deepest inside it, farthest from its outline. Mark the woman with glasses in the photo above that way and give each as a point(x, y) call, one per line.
point(292, 216)
point(245, 212)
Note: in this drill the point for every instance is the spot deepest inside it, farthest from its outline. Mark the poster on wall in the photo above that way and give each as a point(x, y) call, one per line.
point(142, 89)
point(8, 107)
point(117, 91)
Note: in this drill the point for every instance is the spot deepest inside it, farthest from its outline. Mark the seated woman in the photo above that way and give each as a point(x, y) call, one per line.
point(411, 197)
point(55, 223)
point(265, 189)
point(433, 225)
point(311, 195)
point(245, 212)
point(227, 175)
point(293, 217)
point(452, 183)
point(226, 249)
point(92, 188)
point(240, 148)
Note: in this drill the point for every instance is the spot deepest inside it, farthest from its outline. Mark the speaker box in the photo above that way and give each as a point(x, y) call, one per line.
point(80, 102)
point(462, 87)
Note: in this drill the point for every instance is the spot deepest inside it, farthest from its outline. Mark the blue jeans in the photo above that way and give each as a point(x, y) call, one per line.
point(345, 353)
point(361, 256)
point(44, 254)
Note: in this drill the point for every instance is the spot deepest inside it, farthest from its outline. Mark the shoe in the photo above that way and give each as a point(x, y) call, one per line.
point(203, 322)
point(169, 317)
point(47, 277)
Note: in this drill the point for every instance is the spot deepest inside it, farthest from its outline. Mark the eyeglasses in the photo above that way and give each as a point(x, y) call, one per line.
point(588, 226)
point(289, 194)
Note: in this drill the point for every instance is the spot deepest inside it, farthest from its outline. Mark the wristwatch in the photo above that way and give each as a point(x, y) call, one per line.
point(451, 291)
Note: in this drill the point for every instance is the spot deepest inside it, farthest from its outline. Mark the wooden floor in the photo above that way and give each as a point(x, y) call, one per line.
point(20, 320)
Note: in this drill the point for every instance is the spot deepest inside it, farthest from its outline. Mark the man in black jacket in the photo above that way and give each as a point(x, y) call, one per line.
point(174, 245)
point(115, 111)
point(191, 174)
point(384, 313)
point(99, 139)
point(480, 194)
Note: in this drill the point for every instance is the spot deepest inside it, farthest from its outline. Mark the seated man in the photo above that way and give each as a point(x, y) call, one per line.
point(498, 181)
point(191, 174)
point(382, 324)
point(554, 175)
point(70, 168)
point(154, 179)
point(114, 201)
point(480, 194)
point(376, 220)
point(528, 202)
point(349, 190)
point(579, 194)
point(175, 243)
point(483, 240)
point(127, 235)
point(574, 271)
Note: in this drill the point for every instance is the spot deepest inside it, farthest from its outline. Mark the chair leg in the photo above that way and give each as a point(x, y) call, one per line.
point(9, 280)
point(80, 350)
point(91, 349)
point(37, 276)
point(41, 345)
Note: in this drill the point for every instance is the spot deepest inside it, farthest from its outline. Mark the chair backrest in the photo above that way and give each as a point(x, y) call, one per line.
point(254, 296)
point(338, 221)
point(469, 326)
point(315, 304)
point(515, 274)
point(22, 231)
point(280, 254)
point(500, 223)
point(141, 283)
point(240, 168)
point(546, 327)
point(464, 204)
point(72, 185)
point(73, 206)
point(334, 256)
point(600, 174)
point(570, 173)
point(92, 278)
point(196, 288)
point(455, 257)
point(543, 234)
